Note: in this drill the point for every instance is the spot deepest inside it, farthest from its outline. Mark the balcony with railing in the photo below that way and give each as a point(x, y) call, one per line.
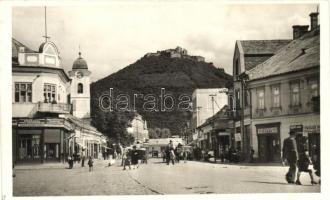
point(53, 108)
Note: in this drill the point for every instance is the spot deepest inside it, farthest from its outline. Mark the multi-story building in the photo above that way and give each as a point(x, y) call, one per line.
point(248, 92)
point(285, 94)
point(42, 124)
point(205, 104)
point(247, 55)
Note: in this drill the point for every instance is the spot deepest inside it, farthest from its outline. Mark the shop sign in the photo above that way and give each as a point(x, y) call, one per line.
point(312, 129)
point(223, 133)
point(268, 130)
point(238, 137)
point(296, 128)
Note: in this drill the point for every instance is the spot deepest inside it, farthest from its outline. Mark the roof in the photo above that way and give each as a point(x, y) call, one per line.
point(81, 123)
point(15, 48)
point(301, 53)
point(79, 63)
point(219, 119)
point(262, 46)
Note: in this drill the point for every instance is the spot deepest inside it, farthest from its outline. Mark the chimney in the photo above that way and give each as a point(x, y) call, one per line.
point(314, 20)
point(298, 31)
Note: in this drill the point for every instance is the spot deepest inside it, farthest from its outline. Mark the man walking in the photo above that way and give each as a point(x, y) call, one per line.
point(83, 157)
point(290, 155)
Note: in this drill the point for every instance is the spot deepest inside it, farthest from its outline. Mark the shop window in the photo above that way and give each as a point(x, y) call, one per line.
point(295, 94)
point(23, 92)
point(261, 98)
point(314, 88)
point(80, 88)
point(276, 96)
point(49, 93)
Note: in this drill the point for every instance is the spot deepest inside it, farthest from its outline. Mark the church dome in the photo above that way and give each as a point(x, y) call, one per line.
point(80, 63)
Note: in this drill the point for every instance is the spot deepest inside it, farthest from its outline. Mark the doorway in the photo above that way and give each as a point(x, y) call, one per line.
point(269, 148)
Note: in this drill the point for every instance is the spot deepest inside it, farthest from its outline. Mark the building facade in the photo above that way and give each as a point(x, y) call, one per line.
point(138, 129)
point(205, 103)
point(285, 96)
point(43, 127)
point(273, 82)
point(215, 134)
point(247, 55)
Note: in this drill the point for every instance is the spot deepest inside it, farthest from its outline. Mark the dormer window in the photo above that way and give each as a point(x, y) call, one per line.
point(80, 88)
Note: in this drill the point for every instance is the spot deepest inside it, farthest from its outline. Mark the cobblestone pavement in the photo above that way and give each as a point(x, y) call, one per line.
point(207, 178)
point(156, 178)
point(103, 180)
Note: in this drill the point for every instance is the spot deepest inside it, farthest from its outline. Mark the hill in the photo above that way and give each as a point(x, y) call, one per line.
point(148, 75)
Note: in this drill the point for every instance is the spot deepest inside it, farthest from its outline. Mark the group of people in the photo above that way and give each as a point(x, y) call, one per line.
point(226, 154)
point(296, 155)
point(173, 154)
point(130, 158)
point(82, 158)
point(115, 151)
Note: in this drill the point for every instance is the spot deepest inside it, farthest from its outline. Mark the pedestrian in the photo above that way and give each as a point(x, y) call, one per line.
point(127, 159)
point(167, 154)
point(90, 163)
point(222, 155)
point(290, 156)
point(172, 156)
point(70, 162)
point(251, 155)
point(83, 157)
point(123, 156)
point(305, 165)
point(316, 161)
point(185, 155)
point(135, 157)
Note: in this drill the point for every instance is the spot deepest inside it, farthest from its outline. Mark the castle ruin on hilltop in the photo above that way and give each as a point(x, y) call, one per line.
point(178, 52)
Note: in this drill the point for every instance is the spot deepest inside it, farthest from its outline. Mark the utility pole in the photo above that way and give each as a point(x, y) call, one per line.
point(214, 146)
point(198, 117)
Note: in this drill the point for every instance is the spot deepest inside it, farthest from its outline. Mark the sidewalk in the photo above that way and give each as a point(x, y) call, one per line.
point(241, 164)
point(56, 165)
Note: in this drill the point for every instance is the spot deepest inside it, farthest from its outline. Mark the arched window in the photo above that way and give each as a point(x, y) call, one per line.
point(80, 88)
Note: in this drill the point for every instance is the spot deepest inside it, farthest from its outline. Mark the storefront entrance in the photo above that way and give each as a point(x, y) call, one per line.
point(29, 147)
point(269, 148)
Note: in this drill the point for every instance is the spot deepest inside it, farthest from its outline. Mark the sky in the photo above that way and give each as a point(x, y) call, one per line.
point(112, 36)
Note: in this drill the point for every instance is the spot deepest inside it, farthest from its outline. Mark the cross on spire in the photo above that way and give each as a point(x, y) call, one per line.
point(46, 36)
point(79, 52)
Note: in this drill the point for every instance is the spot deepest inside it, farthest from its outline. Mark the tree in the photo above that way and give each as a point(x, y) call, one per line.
point(114, 125)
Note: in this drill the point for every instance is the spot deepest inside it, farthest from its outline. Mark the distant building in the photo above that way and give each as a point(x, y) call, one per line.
point(214, 134)
point(138, 129)
point(178, 52)
point(157, 146)
point(203, 106)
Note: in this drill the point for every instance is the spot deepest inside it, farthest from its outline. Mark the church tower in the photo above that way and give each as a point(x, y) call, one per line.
point(80, 93)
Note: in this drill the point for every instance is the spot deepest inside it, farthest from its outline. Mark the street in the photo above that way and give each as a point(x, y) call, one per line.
point(156, 178)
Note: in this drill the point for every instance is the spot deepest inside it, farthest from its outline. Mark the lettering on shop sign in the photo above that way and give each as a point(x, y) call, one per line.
point(296, 128)
point(267, 130)
point(312, 129)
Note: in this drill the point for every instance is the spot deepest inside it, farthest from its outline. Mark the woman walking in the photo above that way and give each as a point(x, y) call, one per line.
point(304, 163)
